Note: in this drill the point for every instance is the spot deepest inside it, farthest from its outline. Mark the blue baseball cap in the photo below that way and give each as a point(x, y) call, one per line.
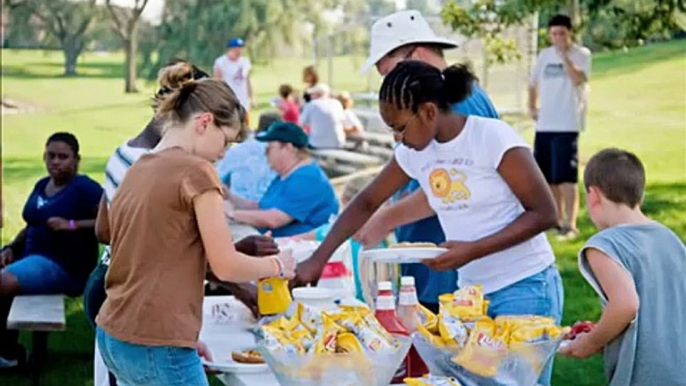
point(235, 42)
point(286, 132)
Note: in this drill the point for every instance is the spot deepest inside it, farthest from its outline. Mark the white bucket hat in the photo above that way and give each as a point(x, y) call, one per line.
point(400, 29)
point(319, 88)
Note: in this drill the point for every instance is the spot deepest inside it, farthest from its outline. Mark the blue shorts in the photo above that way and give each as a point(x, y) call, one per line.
point(539, 294)
point(138, 365)
point(557, 154)
point(39, 275)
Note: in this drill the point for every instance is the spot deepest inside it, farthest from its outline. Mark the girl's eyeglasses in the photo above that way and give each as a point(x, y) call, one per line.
point(400, 130)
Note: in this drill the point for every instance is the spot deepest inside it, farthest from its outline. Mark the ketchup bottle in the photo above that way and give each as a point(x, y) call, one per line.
point(387, 317)
point(408, 313)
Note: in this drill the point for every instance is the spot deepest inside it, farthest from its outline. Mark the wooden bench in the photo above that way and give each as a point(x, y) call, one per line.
point(346, 157)
point(39, 314)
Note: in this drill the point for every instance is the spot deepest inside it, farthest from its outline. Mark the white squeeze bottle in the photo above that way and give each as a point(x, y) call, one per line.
point(408, 313)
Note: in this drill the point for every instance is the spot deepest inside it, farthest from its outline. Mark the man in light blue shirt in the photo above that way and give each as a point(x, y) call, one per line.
point(245, 168)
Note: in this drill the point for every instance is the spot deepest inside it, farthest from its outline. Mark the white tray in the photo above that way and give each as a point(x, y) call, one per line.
point(402, 255)
point(236, 368)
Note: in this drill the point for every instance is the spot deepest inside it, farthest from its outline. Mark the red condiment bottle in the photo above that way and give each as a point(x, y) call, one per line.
point(408, 313)
point(387, 317)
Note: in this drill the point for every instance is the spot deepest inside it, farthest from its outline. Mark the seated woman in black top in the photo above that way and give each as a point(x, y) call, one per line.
point(57, 249)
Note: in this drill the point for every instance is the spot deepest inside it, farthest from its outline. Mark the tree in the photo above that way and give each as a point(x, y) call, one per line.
point(126, 23)
point(67, 21)
point(629, 22)
point(198, 29)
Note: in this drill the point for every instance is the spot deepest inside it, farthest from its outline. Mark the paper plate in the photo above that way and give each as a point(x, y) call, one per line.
point(402, 255)
point(236, 368)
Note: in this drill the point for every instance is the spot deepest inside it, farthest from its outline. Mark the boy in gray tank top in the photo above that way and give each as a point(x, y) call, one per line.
point(638, 268)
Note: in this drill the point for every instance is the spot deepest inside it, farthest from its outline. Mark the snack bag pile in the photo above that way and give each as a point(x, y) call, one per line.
point(313, 331)
point(480, 343)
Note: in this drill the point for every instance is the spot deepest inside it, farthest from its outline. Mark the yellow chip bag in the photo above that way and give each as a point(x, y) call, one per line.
point(465, 302)
point(452, 330)
point(310, 317)
point(347, 342)
point(431, 380)
point(360, 318)
point(279, 323)
point(433, 339)
point(426, 317)
point(529, 333)
point(302, 337)
point(483, 353)
point(373, 341)
point(276, 340)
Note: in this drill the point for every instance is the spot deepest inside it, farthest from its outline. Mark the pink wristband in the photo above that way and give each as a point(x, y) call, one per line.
point(72, 225)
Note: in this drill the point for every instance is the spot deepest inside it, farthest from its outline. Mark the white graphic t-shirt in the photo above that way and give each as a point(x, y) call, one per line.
point(472, 201)
point(562, 105)
point(235, 74)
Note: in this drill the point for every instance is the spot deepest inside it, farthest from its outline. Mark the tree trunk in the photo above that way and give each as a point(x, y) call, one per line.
point(573, 9)
point(71, 51)
point(131, 47)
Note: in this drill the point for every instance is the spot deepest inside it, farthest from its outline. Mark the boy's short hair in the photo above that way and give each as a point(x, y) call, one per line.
point(618, 174)
point(560, 20)
point(285, 90)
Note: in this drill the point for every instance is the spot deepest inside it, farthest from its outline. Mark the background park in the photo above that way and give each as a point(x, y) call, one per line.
point(67, 64)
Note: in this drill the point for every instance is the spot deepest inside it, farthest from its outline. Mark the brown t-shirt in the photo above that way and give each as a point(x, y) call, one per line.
point(155, 280)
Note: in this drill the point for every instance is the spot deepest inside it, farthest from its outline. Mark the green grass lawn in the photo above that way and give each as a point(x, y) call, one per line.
point(637, 103)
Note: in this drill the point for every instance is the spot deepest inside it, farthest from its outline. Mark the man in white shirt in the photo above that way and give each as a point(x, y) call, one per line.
point(234, 70)
point(324, 116)
point(559, 84)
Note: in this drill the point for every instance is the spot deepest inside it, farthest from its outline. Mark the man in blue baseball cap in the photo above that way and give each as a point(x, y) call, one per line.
point(299, 199)
point(234, 70)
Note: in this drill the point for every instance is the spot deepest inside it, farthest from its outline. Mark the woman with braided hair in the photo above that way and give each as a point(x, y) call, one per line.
point(479, 176)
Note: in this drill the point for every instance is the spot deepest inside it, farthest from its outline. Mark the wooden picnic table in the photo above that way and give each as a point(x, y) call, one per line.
point(39, 314)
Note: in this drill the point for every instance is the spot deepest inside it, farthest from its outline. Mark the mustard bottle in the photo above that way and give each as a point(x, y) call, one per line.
point(273, 295)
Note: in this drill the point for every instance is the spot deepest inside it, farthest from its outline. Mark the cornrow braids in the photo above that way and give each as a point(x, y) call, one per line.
point(412, 83)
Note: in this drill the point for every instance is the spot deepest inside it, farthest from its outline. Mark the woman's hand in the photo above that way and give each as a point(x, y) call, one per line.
point(459, 254)
point(59, 224)
point(205, 353)
point(6, 257)
point(287, 263)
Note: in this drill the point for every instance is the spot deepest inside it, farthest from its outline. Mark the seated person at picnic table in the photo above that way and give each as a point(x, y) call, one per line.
point(287, 105)
point(323, 118)
point(244, 168)
point(351, 123)
point(57, 249)
point(637, 266)
point(299, 199)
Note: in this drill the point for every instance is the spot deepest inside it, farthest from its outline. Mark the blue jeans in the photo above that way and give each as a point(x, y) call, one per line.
point(539, 294)
point(138, 365)
point(39, 275)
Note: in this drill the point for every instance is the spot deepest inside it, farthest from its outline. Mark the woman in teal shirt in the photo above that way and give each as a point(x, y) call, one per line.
point(299, 199)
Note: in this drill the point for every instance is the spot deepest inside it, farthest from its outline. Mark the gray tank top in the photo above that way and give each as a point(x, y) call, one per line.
point(652, 351)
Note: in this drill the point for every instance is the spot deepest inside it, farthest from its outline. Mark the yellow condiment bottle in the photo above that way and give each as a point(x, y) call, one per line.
point(273, 296)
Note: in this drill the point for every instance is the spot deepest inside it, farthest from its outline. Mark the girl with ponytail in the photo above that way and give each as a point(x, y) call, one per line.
point(165, 224)
point(479, 176)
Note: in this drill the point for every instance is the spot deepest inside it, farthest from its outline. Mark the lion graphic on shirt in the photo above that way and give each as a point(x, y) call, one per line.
point(449, 186)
